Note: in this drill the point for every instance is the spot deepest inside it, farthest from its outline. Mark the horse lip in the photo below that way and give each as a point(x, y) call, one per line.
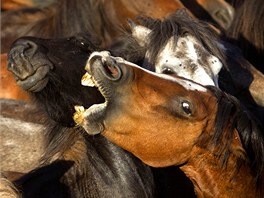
point(103, 72)
point(104, 65)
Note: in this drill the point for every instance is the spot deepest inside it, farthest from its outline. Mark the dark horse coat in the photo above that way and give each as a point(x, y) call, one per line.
point(74, 164)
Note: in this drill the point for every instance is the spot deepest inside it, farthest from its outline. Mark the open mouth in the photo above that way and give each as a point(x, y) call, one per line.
point(104, 73)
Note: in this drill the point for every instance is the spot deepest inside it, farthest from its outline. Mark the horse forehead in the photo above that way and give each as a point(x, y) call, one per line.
point(189, 50)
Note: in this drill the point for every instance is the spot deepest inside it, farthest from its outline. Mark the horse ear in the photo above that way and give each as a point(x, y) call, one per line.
point(140, 33)
point(216, 66)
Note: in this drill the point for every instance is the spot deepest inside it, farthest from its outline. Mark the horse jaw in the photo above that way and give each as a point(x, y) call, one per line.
point(103, 72)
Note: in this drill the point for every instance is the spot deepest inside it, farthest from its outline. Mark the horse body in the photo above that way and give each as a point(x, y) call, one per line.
point(175, 121)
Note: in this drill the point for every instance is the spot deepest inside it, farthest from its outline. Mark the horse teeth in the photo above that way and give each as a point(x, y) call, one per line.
point(87, 80)
point(78, 116)
point(79, 108)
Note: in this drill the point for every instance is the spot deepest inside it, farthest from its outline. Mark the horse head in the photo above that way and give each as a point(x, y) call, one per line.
point(180, 45)
point(139, 103)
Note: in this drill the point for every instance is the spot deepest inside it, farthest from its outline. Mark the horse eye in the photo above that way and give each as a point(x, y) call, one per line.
point(186, 108)
point(167, 70)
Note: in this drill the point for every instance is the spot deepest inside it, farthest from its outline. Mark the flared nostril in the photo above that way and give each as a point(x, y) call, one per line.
point(112, 68)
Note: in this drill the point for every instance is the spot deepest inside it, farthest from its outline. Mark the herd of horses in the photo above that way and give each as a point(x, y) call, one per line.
point(141, 98)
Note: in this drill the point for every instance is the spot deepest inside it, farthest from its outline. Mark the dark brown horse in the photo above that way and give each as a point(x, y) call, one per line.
point(169, 121)
point(73, 164)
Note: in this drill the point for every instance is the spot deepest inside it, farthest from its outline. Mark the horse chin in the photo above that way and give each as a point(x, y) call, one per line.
point(104, 73)
point(91, 119)
point(37, 81)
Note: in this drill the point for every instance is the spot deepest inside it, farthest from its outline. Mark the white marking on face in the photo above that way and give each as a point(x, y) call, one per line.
point(187, 61)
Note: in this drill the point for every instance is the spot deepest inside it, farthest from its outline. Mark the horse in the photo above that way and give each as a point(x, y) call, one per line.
point(73, 164)
point(190, 48)
point(246, 30)
point(171, 121)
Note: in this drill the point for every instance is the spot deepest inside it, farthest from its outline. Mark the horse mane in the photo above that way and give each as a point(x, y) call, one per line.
point(177, 25)
point(247, 32)
point(231, 114)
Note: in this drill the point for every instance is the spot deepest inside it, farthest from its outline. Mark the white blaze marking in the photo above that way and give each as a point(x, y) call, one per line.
point(168, 58)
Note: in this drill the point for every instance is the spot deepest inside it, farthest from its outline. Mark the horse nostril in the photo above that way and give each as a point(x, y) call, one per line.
point(112, 68)
point(25, 47)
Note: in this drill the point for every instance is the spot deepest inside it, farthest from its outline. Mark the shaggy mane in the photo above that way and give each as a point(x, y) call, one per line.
point(231, 113)
point(177, 25)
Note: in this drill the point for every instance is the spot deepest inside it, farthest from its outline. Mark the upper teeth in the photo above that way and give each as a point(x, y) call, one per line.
point(87, 80)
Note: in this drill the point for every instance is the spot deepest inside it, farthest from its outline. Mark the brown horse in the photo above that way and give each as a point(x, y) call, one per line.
point(169, 121)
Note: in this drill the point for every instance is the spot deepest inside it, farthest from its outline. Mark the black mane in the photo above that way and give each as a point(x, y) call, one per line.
point(232, 114)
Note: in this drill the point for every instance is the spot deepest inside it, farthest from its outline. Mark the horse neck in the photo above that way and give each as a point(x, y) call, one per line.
point(211, 179)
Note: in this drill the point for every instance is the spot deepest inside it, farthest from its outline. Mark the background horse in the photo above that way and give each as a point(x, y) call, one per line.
point(175, 121)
